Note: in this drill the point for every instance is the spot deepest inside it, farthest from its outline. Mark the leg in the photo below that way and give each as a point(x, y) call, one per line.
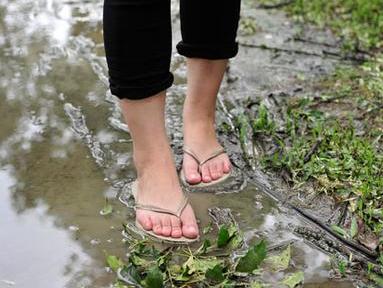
point(138, 48)
point(156, 171)
point(208, 44)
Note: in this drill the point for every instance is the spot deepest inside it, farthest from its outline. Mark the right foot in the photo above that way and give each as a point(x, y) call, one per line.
point(158, 185)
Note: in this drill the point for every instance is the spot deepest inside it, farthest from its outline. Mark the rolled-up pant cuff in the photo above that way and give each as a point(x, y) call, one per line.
point(208, 51)
point(142, 91)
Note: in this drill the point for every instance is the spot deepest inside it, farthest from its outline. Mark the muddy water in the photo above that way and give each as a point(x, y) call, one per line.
point(64, 150)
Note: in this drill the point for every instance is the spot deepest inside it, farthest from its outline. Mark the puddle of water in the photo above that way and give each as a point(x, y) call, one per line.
point(64, 149)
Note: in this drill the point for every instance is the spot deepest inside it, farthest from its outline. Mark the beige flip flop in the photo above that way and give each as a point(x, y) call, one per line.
point(200, 163)
point(177, 213)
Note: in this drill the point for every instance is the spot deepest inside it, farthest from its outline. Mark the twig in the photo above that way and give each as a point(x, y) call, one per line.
point(310, 41)
point(312, 151)
point(372, 255)
point(324, 53)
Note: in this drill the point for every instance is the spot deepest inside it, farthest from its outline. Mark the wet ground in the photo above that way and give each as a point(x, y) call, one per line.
point(64, 149)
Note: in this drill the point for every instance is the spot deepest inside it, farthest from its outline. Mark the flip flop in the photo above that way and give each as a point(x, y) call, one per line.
point(200, 163)
point(177, 213)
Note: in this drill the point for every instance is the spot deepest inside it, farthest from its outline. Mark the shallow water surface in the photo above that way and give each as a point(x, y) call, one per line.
point(64, 150)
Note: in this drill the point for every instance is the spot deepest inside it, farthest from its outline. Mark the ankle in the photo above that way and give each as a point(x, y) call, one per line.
point(152, 158)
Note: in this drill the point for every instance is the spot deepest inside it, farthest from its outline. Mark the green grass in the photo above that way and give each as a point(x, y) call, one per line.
point(332, 142)
point(358, 22)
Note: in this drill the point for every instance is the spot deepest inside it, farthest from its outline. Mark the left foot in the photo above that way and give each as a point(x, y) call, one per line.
point(201, 139)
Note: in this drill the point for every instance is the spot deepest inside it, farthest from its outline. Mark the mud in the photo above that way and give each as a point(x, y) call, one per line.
point(64, 148)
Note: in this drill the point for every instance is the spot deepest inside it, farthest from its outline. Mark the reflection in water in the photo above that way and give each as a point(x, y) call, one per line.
point(58, 258)
point(64, 149)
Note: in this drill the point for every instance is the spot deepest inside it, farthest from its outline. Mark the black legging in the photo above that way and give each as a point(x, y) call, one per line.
point(137, 35)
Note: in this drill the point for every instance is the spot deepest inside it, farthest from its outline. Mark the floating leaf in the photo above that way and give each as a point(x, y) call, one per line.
point(154, 278)
point(280, 262)
point(235, 237)
point(223, 237)
point(130, 275)
point(215, 274)
point(253, 258)
point(114, 263)
point(108, 209)
point(294, 279)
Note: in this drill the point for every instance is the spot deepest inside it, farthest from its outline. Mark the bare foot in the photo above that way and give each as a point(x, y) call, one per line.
point(158, 185)
point(204, 78)
point(201, 139)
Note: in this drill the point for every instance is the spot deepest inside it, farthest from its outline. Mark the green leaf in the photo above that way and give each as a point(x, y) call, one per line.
point(353, 228)
point(255, 285)
point(130, 274)
point(342, 267)
point(108, 209)
point(196, 265)
point(376, 278)
point(154, 278)
point(280, 262)
point(207, 229)
point(235, 237)
point(294, 279)
point(223, 237)
point(114, 263)
point(204, 247)
point(339, 230)
point(139, 261)
point(215, 274)
point(253, 258)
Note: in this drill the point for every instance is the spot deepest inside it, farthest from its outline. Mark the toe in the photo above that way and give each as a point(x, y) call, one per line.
point(190, 231)
point(206, 177)
point(214, 171)
point(166, 226)
point(176, 227)
point(157, 227)
point(189, 224)
point(191, 170)
point(220, 165)
point(144, 220)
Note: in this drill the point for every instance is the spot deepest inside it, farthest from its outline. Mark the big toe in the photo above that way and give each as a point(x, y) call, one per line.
point(189, 224)
point(191, 171)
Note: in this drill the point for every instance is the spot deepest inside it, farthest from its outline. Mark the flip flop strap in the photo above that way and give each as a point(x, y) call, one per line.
point(200, 163)
point(213, 155)
point(192, 154)
point(153, 208)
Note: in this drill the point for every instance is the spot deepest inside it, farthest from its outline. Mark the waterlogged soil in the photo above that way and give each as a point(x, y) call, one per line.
point(64, 149)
